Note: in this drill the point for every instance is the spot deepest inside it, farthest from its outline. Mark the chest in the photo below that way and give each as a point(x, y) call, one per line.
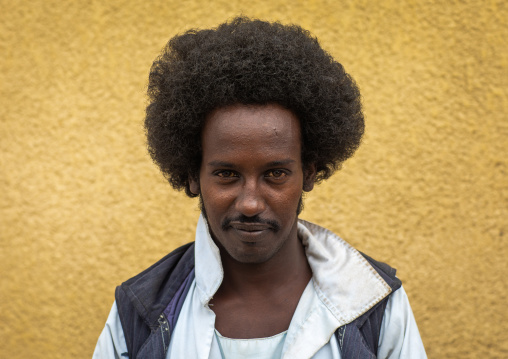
point(310, 332)
point(255, 318)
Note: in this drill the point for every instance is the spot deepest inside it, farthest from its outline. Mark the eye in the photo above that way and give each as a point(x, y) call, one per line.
point(226, 174)
point(276, 174)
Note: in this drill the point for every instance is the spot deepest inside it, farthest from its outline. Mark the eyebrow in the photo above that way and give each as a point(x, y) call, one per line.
point(269, 164)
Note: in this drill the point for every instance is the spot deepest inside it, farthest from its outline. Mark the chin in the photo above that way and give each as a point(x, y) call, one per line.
point(251, 254)
point(250, 258)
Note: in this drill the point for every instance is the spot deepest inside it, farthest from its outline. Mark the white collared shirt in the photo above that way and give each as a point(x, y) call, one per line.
point(343, 287)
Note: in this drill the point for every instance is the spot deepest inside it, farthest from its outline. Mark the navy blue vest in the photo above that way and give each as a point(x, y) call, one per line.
point(149, 305)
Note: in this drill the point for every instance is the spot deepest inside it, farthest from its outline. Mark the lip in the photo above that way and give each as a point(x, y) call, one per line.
point(250, 227)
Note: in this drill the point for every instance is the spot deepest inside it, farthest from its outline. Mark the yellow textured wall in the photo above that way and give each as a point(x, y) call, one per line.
point(82, 207)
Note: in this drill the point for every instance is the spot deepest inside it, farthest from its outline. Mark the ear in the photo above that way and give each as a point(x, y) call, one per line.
point(309, 177)
point(194, 185)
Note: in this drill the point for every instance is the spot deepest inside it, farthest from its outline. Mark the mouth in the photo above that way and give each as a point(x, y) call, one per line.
point(250, 227)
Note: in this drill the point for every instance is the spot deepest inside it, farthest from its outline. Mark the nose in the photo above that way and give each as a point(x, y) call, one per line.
point(250, 201)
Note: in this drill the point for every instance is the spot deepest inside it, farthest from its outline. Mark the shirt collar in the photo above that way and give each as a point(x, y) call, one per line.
point(345, 282)
point(208, 265)
point(343, 279)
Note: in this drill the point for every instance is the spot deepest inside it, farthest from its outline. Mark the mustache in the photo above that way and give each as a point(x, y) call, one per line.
point(275, 226)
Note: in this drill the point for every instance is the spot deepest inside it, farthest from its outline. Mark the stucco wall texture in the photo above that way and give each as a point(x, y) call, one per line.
point(82, 208)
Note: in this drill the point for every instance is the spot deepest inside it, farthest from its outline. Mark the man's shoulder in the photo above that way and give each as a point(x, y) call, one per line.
point(166, 264)
point(154, 287)
point(340, 253)
point(385, 271)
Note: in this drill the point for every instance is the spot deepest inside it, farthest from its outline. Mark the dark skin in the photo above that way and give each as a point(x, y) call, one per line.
point(258, 300)
point(251, 181)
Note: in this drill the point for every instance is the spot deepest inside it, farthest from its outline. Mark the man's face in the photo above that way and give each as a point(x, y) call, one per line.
point(251, 179)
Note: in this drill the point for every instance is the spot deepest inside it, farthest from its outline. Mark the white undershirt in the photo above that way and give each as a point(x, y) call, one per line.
point(257, 348)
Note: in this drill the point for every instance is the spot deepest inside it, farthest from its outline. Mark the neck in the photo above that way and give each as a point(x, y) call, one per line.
point(287, 269)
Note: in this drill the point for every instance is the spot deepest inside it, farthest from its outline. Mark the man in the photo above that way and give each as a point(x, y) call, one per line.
point(248, 116)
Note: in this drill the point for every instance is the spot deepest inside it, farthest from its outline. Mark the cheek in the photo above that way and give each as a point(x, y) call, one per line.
point(215, 201)
point(287, 201)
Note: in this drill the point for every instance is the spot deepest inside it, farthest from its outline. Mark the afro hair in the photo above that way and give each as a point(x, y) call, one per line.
point(249, 62)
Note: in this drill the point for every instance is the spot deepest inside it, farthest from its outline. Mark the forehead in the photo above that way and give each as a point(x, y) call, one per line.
point(246, 131)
